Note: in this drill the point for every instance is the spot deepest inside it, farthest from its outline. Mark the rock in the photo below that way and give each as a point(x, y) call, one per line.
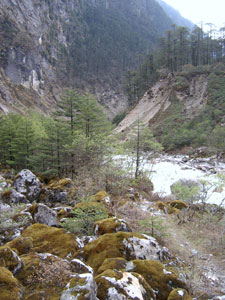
point(43, 214)
point(80, 267)
point(178, 204)
point(123, 285)
point(21, 244)
point(161, 279)
point(101, 196)
point(179, 294)
point(52, 240)
point(56, 191)
point(45, 272)
point(111, 225)
point(121, 244)
point(117, 263)
point(13, 197)
point(4, 207)
point(10, 260)
point(9, 286)
point(27, 184)
point(81, 286)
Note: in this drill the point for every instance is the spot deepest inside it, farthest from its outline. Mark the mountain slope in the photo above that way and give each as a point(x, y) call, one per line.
point(88, 45)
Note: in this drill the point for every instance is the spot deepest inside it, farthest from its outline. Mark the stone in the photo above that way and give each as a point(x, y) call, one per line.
point(122, 244)
point(13, 197)
point(179, 294)
point(10, 260)
point(120, 285)
point(81, 286)
point(45, 215)
point(111, 225)
point(21, 244)
point(51, 240)
point(27, 184)
point(9, 286)
point(80, 267)
point(45, 272)
point(161, 279)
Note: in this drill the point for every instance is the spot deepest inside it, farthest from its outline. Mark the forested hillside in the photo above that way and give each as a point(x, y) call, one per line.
point(45, 46)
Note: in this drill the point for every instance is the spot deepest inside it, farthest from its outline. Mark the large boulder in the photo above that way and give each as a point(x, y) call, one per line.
point(111, 225)
point(9, 286)
point(81, 286)
point(162, 279)
point(123, 285)
point(27, 184)
point(11, 196)
point(122, 244)
point(179, 294)
point(56, 191)
point(10, 260)
point(43, 214)
point(46, 273)
point(52, 240)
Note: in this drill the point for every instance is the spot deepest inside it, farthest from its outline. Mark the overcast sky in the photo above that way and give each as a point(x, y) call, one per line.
point(208, 11)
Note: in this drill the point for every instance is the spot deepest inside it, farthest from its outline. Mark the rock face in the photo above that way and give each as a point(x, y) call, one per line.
point(28, 184)
point(81, 286)
point(45, 215)
point(123, 285)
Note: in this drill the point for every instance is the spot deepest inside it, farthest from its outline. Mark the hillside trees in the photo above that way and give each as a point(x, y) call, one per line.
point(74, 139)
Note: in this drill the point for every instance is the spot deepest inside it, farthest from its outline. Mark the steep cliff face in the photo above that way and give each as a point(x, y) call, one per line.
point(48, 45)
point(191, 93)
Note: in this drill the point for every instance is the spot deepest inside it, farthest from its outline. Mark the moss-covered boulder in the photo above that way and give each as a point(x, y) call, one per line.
point(122, 244)
point(9, 286)
point(101, 196)
point(44, 271)
point(52, 240)
point(10, 260)
point(178, 204)
point(114, 284)
point(22, 245)
point(166, 208)
point(80, 287)
point(162, 279)
point(80, 267)
point(117, 263)
point(111, 225)
point(179, 294)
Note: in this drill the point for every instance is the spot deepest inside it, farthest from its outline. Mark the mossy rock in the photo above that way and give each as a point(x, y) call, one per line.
point(117, 263)
point(113, 245)
point(22, 245)
point(59, 184)
point(10, 260)
point(47, 294)
point(166, 208)
point(111, 225)
point(117, 284)
point(81, 286)
point(101, 196)
point(44, 272)
point(162, 279)
point(9, 286)
point(178, 204)
point(179, 294)
point(52, 240)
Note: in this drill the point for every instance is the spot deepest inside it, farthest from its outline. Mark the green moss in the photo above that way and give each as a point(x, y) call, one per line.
point(117, 263)
point(174, 295)
point(178, 204)
point(91, 207)
point(59, 184)
point(107, 225)
point(100, 196)
point(21, 244)
point(8, 258)
point(107, 246)
point(9, 286)
point(52, 240)
point(161, 279)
